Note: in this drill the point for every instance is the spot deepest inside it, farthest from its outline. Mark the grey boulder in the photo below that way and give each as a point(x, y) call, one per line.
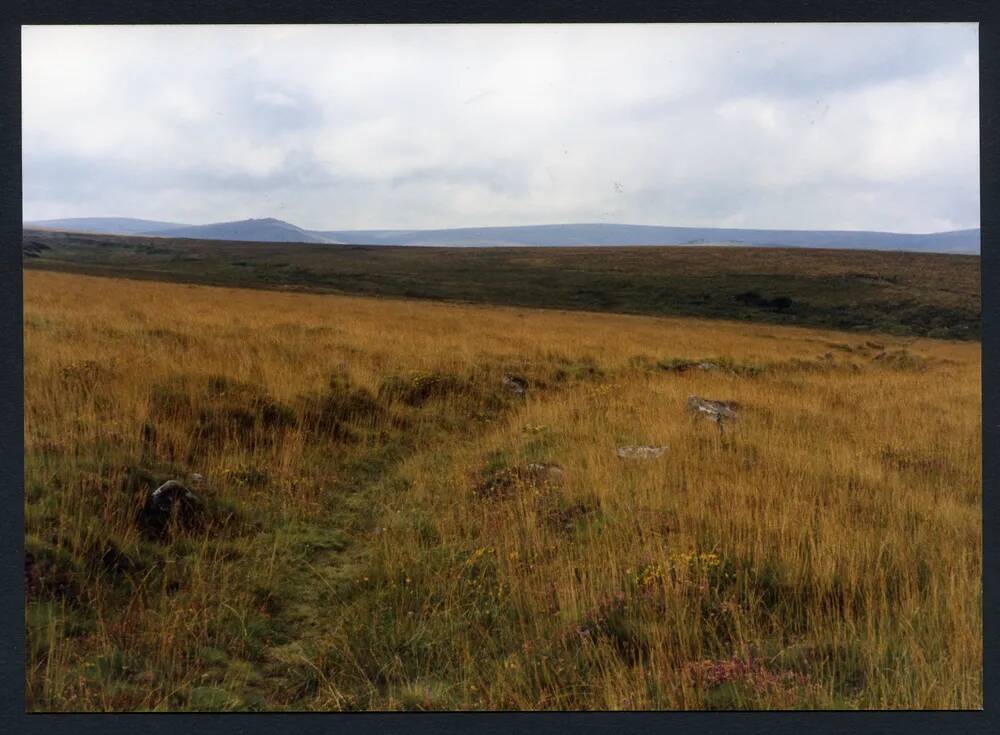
point(713, 410)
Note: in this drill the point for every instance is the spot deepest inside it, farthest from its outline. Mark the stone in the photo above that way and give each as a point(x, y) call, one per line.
point(169, 499)
point(172, 491)
point(544, 473)
point(641, 452)
point(515, 384)
point(714, 410)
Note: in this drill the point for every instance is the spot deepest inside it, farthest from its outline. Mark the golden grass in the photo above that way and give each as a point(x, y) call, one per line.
point(822, 550)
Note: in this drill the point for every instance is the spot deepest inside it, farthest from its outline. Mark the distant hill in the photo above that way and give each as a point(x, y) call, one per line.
point(105, 225)
point(248, 230)
point(274, 230)
point(959, 241)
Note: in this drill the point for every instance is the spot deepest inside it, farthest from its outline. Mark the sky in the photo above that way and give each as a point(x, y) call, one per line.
point(814, 126)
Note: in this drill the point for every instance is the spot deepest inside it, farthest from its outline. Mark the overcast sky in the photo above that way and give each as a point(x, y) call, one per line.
point(821, 126)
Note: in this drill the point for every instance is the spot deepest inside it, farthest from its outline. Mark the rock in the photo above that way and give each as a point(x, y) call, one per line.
point(641, 452)
point(169, 499)
point(708, 366)
point(516, 384)
point(166, 495)
point(714, 410)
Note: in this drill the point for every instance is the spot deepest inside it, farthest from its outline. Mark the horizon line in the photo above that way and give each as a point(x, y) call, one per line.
point(490, 227)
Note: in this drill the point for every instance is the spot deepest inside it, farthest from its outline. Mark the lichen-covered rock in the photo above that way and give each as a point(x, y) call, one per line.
point(714, 410)
point(641, 452)
point(541, 472)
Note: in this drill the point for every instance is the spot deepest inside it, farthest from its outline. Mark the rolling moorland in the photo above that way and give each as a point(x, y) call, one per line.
point(902, 293)
point(403, 504)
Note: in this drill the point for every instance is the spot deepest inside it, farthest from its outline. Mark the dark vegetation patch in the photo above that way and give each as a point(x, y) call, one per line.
point(925, 294)
point(170, 337)
point(844, 661)
point(34, 248)
point(902, 459)
point(754, 299)
point(450, 400)
point(577, 370)
point(499, 481)
point(342, 410)
point(224, 411)
point(902, 360)
point(710, 364)
point(86, 375)
point(736, 683)
point(563, 515)
point(771, 589)
point(50, 572)
point(540, 485)
point(613, 622)
point(419, 388)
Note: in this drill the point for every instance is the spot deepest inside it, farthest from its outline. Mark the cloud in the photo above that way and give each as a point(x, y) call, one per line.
point(846, 126)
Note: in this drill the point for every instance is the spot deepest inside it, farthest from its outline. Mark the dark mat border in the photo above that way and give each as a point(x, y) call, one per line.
point(13, 718)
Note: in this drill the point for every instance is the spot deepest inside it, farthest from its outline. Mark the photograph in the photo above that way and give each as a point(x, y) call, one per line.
point(501, 367)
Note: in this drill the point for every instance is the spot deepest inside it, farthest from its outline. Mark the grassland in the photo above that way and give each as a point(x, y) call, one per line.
point(916, 294)
point(382, 526)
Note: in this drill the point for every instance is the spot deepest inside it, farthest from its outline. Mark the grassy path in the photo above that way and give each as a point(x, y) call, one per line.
point(324, 557)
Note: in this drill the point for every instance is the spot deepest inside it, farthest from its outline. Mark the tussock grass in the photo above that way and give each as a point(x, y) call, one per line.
point(387, 525)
